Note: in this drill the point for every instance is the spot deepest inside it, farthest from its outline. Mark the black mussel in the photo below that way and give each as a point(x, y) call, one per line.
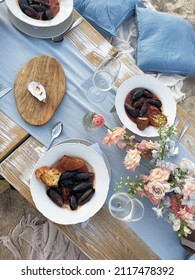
point(137, 94)
point(81, 187)
point(65, 193)
point(55, 196)
point(29, 11)
point(65, 183)
point(67, 175)
point(155, 102)
point(86, 196)
point(143, 109)
point(47, 15)
point(23, 3)
point(139, 103)
point(83, 176)
point(147, 94)
point(73, 202)
point(38, 8)
point(44, 3)
point(132, 111)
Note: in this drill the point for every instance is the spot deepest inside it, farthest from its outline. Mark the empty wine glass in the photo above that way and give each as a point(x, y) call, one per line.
point(104, 79)
point(125, 208)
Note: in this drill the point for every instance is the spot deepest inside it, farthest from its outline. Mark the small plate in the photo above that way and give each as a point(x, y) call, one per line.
point(156, 87)
point(64, 216)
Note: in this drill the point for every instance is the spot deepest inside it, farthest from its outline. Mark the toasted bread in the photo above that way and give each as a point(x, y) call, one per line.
point(50, 177)
point(70, 163)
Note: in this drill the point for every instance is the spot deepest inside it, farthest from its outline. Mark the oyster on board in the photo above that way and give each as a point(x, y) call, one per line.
point(38, 91)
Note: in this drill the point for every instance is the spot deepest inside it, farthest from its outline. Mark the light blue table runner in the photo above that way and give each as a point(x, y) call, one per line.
point(16, 49)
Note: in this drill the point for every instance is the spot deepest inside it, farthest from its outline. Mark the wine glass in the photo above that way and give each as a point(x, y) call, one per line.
point(125, 208)
point(104, 79)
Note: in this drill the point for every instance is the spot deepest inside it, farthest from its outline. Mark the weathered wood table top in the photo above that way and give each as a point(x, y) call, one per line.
point(104, 237)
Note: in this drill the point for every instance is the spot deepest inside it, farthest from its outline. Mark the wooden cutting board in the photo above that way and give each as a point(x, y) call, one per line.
point(47, 71)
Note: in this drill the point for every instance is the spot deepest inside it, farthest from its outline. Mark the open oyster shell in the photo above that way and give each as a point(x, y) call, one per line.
point(37, 90)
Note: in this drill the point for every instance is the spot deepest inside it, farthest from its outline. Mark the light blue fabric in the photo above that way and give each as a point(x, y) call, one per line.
point(165, 43)
point(106, 15)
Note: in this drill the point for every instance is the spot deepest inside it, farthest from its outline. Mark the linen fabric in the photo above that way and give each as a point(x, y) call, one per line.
point(106, 15)
point(165, 43)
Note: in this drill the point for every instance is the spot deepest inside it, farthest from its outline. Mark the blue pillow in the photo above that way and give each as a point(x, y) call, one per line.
point(165, 43)
point(106, 15)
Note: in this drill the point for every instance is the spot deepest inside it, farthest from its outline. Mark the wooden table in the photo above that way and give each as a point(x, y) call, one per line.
point(104, 237)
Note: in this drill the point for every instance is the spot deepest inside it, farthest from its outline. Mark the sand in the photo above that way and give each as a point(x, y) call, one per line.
point(14, 206)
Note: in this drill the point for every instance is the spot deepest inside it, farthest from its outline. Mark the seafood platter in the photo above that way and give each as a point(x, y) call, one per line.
point(70, 183)
point(143, 103)
point(41, 18)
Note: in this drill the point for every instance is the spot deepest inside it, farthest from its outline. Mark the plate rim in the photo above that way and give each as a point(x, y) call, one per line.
point(122, 92)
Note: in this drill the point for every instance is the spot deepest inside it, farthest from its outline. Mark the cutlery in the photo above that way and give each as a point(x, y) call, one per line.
point(56, 130)
point(177, 120)
point(5, 91)
point(60, 38)
point(176, 146)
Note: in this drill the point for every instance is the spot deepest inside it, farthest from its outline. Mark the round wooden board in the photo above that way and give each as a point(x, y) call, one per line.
point(47, 71)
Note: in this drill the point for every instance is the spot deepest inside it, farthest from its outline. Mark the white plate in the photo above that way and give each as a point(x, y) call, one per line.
point(64, 216)
point(41, 32)
point(66, 8)
point(156, 87)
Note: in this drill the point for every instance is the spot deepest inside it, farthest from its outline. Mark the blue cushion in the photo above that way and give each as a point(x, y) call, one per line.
point(106, 15)
point(165, 43)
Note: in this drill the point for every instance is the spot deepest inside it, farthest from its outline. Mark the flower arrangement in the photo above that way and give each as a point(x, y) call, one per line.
point(169, 187)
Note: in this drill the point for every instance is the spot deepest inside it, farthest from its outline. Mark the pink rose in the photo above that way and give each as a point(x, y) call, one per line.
point(114, 136)
point(188, 189)
point(159, 174)
point(98, 120)
point(156, 189)
point(132, 159)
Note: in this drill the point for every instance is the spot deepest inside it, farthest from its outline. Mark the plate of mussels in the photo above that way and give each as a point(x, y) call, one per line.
point(143, 104)
point(70, 183)
point(40, 13)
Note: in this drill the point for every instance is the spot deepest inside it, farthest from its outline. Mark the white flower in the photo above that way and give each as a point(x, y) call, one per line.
point(176, 224)
point(188, 166)
point(158, 211)
point(186, 231)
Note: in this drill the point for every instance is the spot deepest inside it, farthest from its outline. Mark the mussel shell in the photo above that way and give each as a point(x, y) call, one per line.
point(23, 3)
point(47, 15)
point(137, 94)
point(38, 8)
point(83, 176)
point(155, 102)
point(132, 111)
point(143, 110)
point(55, 196)
point(68, 174)
point(65, 183)
point(81, 187)
point(139, 103)
point(147, 94)
point(86, 196)
point(73, 202)
point(42, 2)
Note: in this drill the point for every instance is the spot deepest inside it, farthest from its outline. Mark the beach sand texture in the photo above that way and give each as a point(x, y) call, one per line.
point(13, 206)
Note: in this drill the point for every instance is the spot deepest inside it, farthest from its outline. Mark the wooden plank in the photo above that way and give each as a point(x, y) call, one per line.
point(104, 237)
point(11, 135)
